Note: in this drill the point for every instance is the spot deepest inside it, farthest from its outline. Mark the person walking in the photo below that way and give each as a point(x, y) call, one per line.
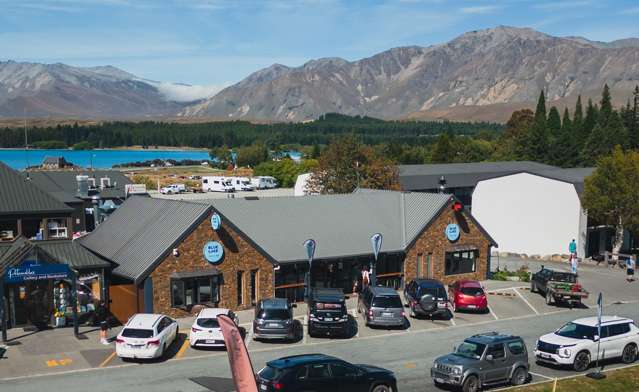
point(102, 315)
point(572, 248)
point(574, 263)
point(630, 269)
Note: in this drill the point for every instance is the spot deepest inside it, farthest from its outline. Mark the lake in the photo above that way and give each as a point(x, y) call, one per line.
point(102, 159)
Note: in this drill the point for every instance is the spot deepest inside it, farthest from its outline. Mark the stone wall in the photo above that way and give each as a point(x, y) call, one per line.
point(239, 255)
point(433, 240)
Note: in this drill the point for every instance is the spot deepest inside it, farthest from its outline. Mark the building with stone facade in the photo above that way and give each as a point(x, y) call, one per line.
point(172, 256)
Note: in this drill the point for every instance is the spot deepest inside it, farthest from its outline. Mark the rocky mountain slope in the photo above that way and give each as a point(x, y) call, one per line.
point(43, 90)
point(479, 75)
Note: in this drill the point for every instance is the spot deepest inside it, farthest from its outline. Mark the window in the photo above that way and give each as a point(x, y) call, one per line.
point(420, 261)
point(192, 291)
point(240, 287)
point(318, 371)
point(254, 283)
point(300, 374)
point(516, 347)
point(340, 370)
point(618, 329)
point(460, 262)
point(137, 333)
point(496, 350)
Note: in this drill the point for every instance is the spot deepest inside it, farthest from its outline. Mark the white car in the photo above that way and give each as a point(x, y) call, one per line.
point(575, 344)
point(206, 331)
point(146, 335)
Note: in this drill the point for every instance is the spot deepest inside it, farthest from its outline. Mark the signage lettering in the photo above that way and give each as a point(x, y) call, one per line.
point(452, 232)
point(213, 252)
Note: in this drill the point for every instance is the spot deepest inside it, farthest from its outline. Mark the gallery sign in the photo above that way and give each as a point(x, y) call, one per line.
point(32, 271)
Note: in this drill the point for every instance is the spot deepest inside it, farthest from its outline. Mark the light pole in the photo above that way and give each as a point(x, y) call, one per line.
point(376, 242)
point(442, 184)
point(309, 245)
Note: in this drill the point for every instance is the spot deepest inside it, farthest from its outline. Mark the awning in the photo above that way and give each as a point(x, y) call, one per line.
point(195, 274)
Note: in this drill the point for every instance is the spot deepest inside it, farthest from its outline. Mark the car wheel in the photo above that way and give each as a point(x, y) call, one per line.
point(533, 288)
point(629, 354)
point(471, 384)
point(582, 361)
point(381, 388)
point(519, 376)
point(411, 313)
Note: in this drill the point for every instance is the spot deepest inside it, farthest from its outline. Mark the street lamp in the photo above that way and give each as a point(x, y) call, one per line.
point(442, 184)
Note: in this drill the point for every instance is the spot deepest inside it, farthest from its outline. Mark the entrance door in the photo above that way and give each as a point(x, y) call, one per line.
point(18, 305)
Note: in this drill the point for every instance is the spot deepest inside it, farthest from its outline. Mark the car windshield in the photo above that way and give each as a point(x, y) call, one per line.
point(275, 314)
point(470, 350)
point(474, 291)
point(137, 333)
point(387, 302)
point(577, 331)
point(269, 373)
point(208, 323)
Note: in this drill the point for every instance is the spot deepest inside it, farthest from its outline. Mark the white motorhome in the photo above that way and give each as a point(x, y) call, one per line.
point(264, 182)
point(242, 183)
point(217, 184)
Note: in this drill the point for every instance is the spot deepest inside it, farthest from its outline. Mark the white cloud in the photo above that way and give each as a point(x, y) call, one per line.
point(480, 9)
point(186, 93)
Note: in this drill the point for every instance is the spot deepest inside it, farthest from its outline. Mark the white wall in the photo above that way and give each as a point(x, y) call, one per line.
point(300, 184)
point(530, 214)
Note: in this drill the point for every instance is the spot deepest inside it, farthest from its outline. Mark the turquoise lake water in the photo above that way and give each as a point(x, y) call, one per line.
point(102, 159)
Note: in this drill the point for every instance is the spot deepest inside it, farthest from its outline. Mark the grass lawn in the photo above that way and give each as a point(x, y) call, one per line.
point(622, 380)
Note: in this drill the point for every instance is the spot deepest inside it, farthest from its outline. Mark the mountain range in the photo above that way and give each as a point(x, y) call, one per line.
point(480, 75)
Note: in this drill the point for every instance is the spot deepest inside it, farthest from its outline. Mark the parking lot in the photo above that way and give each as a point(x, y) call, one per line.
point(513, 309)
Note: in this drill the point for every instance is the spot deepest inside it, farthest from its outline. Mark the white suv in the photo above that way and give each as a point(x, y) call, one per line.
point(575, 343)
point(206, 331)
point(146, 335)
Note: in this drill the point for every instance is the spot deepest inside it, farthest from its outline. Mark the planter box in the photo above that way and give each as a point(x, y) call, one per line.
point(513, 278)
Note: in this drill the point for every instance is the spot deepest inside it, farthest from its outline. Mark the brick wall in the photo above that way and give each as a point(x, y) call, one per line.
point(434, 241)
point(239, 255)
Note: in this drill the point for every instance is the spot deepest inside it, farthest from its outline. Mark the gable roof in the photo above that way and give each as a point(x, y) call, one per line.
point(19, 195)
point(457, 175)
point(63, 184)
point(574, 176)
point(340, 224)
point(142, 231)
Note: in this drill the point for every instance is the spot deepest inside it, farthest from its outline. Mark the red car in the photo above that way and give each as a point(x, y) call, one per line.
point(467, 295)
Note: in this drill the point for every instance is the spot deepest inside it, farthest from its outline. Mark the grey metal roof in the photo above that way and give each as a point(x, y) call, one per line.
point(19, 196)
point(340, 224)
point(575, 176)
point(72, 253)
point(63, 184)
point(422, 177)
point(142, 231)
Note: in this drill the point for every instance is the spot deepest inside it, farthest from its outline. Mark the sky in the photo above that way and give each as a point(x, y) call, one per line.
point(214, 43)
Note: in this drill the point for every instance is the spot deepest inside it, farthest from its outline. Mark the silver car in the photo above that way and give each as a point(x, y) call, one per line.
point(381, 306)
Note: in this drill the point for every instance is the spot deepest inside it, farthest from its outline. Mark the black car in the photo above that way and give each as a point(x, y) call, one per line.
point(427, 297)
point(319, 372)
point(274, 319)
point(327, 313)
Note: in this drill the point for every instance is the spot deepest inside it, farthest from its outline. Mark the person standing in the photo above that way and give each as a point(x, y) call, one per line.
point(574, 263)
point(366, 277)
point(572, 248)
point(630, 269)
point(102, 314)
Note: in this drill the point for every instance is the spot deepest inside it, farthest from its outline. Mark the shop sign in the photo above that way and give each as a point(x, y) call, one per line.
point(216, 222)
point(32, 270)
point(213, 252)
point(453, 232)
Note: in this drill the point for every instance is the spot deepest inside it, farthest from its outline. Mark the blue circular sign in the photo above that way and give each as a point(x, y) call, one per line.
point(216, 222)
point(213, 252)
point(452, 232)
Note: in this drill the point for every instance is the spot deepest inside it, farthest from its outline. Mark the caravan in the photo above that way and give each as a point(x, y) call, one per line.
point(217, 184)
point(241, 184)
point(264, 182)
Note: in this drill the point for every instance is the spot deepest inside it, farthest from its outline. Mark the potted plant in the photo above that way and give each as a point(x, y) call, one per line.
point(60, 319)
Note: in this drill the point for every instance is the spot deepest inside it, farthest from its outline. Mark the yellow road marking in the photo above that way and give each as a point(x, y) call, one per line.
point(106, 361)
point(410, 365)
point(52, 363)
point(65, 361)
point(185, 345)
point(59, 362)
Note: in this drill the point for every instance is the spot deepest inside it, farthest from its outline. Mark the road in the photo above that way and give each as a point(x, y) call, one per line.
point(409, 353)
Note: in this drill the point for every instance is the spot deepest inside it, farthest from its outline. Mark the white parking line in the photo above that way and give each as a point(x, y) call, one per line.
point(354, 313)
point(493, 313)
point(540, 375)
point(249, 338)
point(304, 334)
point(452, 321)
point(526, 301)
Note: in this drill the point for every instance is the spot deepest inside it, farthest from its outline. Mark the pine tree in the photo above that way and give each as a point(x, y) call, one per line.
point(578, 119)
point(554, 121)
point(564, 150)
point(605, 108)
point(591, 118)
point(633, 129)
point(443, 151)
point(535, 142)
point(608, 132)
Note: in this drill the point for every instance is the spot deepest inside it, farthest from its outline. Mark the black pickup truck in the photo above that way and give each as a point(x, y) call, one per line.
point(558, 286)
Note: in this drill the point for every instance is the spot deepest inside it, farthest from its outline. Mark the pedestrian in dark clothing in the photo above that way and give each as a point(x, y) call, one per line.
point(102, 316)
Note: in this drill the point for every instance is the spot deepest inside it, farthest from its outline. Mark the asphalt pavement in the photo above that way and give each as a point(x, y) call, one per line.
point(408, 352)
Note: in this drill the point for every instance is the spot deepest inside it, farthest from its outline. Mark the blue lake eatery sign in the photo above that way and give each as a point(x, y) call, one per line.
point(213, 252)
point(30, 270)
point(453, 232)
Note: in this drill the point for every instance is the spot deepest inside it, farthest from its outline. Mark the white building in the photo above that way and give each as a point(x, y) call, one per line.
point(534, 213)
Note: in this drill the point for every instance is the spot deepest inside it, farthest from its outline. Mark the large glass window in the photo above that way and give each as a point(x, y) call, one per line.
point(193, 291)
point(463, 262)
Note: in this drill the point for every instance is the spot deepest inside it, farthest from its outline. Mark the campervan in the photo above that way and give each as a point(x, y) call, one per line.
point(242, 184)
point(264, 182)
point(217, 184)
